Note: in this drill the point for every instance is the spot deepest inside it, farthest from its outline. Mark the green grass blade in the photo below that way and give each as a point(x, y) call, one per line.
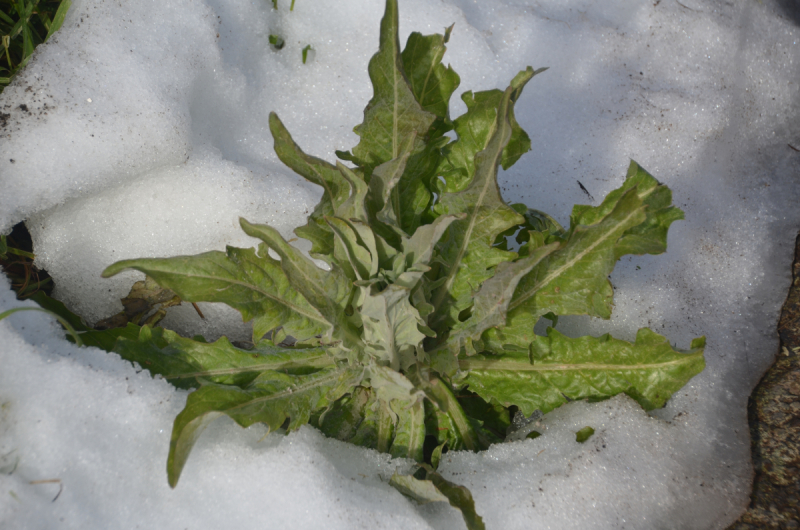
point(58, 18)
point(58, 307)
point(60, 319)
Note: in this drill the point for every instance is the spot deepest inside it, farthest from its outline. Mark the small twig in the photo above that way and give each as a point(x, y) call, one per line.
point(51, 481)
point(198, 311)
point(793, 147)
point(685, 7)
point(585, 191)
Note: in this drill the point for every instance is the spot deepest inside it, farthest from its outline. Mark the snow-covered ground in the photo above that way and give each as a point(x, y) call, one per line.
point(140, 129)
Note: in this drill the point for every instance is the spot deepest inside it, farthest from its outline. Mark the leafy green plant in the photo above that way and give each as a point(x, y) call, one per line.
point(418, 337)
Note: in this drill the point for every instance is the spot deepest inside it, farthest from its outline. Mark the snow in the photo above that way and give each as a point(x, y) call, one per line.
point(146, 134)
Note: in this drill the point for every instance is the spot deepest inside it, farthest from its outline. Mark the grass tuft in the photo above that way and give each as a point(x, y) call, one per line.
point(25, 24)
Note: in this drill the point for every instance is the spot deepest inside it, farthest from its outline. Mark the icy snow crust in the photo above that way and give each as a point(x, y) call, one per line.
point(146, 134)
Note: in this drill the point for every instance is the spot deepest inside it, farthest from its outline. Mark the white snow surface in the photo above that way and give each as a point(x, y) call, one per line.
point(141, 130)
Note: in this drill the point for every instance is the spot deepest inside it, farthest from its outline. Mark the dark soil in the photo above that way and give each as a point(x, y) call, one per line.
point(774, 415)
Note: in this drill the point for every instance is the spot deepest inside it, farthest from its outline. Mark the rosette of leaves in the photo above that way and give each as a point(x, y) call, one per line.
point(418, 337)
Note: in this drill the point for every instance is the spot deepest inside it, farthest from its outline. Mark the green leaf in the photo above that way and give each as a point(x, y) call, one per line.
point(649, 237)
point(440, 425)
point(376, 431)
point(27, 40)
point(394, 117)
point(393, 113)
point(354, 207)
point(466, 253)
point(494, 417)
point(559, 368)
point(277, 42)
point(463, 433)
point(459, 497)
point(574, 279)
point(329, 292)
point(520, 143)
point(419, 284)
point(5, 18)
point(251, 282)
point(537, 229)
point(413, 190)
point(335, 186)
point(272, 398)
point(58, 18)
point(355, 259)
point(383, 199)
point(344, 417)
point(405, 403)
point(419, 248)
point(4, 248)
point(391, 327)
point(422, 491)
point(475, 129)
point(633, 219)
point(107, 339)
point(492, 299)
point(409, 434)
point(434, 488)
point(185, 362)
point(431, 82)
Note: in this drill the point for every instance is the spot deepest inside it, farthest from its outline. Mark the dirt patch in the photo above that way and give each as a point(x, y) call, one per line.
point(774, 416)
